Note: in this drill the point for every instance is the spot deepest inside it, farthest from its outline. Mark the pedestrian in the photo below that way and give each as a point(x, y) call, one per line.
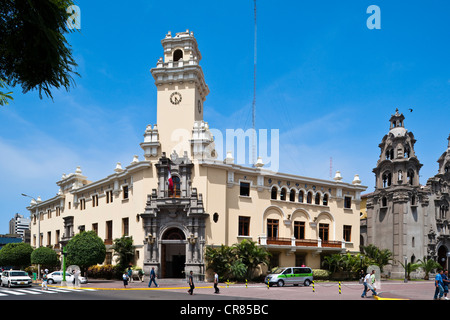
point(445, 281)
point(216, 282)
point(361, 276)
point(130, 274)
point(372, 280)
point(368, 285)
point(191, 283)
point(44, 282)
point(125, 279)
point(438, 283)
point(76, 276)
point(152, 278)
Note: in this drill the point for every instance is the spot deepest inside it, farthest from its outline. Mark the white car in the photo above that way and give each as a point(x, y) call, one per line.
point(57, 276)
point(13, 278)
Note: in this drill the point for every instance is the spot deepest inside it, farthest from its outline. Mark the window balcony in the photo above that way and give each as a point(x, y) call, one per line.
point(298, 244)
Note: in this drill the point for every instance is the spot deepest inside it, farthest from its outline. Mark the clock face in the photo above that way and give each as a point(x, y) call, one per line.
point(175, 98)
point(199, 106)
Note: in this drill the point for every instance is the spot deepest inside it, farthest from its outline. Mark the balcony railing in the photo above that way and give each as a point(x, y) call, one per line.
point(317, 243)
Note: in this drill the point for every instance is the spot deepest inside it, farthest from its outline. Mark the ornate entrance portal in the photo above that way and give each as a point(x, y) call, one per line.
point(174, 223)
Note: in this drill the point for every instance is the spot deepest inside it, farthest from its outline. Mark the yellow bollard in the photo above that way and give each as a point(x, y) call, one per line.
point(228, 282)
point(245, 283)
point(339, 287)
point(314, 290)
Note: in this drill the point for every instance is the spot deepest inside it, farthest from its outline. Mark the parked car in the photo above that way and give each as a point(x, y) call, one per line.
point(56, 276)
point(15, 278)
point(290, 275)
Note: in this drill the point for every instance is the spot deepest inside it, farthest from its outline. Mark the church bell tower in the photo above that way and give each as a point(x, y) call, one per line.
point(397, 209)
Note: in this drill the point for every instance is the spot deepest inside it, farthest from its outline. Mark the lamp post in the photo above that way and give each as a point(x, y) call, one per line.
point(406, 268)
point(64, 265)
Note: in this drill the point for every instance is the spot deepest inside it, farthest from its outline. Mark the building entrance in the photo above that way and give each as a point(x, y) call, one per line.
point(173, 254)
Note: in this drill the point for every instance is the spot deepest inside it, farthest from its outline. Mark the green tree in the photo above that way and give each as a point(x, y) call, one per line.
point(85, 249)
point(238, 261)
point(34, 52)
point(17, 255)
point(125, 250)
point(379, 257)
point(428, 265)
point(45, 257)
point(219, 260)
point(409, 267)
point(251, 255)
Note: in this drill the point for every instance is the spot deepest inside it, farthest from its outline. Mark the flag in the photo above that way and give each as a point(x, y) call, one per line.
point(170, 181)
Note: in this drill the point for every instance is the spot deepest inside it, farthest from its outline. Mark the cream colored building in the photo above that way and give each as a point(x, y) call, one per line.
point(213, 201)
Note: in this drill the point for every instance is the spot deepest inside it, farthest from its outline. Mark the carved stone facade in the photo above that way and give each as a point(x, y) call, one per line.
point(174, 222)
point(409, 219)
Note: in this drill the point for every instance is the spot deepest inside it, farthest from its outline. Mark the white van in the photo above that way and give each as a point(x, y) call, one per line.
point(290, 275)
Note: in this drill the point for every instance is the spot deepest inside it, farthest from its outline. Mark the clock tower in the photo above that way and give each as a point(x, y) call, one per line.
point(181, 92)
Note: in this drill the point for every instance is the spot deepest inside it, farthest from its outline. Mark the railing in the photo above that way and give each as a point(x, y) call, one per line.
point(262, 240)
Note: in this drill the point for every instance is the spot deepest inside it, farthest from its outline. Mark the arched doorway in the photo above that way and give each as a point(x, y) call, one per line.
point(173, 253)
point(442, 256)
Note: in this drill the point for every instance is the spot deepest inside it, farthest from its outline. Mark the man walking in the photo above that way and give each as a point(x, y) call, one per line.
point(368, 284)
point(191, 283)
point(216, 282)
point(152, 278)
point(439, 284)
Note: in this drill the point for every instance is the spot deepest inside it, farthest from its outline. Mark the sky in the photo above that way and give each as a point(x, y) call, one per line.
point(325, 80)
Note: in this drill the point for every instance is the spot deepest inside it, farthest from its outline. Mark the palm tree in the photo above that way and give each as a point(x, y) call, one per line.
point(428, 265)
point(251, 255)
point(409, 267)
point(379, 257)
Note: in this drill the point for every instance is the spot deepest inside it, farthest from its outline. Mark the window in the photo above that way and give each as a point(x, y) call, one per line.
point(215, 217)
point(125, 227)
point(177, 55)
point(300, 196)
point(95, 228)
point(283, 194)
point(317, 199)
point(109, 231)
point(384, 202)
point(347, 233)
point(109, 196)
point(272, 228)
point(245, 189)
point(82, 204)
point(125, 192)
point(324, 231)
point(325, 200)
point(273, 194)
point(244, 226)
point(299, 230)
point(292, 195)
point(309, 197)
point(387, 179)
point(95, 200)
point(347, 202)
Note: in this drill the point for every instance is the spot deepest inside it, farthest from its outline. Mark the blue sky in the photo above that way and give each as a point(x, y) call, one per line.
point(326, 81)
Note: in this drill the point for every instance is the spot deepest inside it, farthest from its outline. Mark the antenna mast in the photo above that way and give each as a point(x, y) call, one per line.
point(254, 96)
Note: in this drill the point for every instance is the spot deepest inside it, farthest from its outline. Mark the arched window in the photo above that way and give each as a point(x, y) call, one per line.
point(283, 194)
point(317, 199)
point(292, 195)
point(309, 197)
point(410, 177)
point(177, 55)
point(300, 196)
point(384, 202)
point(387, 179)
point(176, 192)
point(325, 200)
point(273, 194)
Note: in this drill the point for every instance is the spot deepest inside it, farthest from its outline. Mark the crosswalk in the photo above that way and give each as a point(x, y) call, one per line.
point(36, 291)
